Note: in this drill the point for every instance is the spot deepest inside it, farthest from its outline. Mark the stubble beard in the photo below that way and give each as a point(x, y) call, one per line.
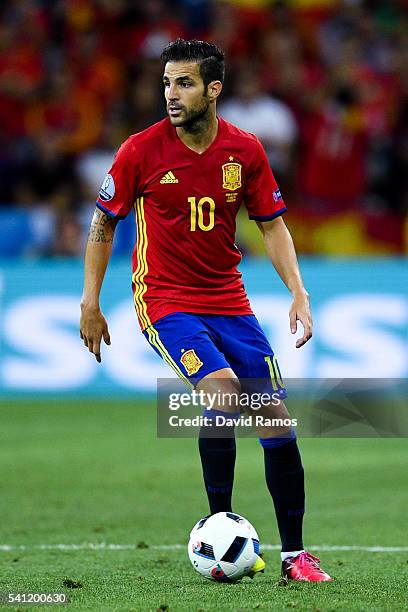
point(196, 121)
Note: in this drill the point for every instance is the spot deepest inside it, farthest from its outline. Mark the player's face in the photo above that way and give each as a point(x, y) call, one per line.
point(186, 97)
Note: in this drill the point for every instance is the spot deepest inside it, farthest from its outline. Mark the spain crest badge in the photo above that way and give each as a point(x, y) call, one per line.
point(191, 362)
point(231, 176)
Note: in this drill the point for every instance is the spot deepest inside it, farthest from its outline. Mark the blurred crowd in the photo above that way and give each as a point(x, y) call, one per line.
point(323, 84)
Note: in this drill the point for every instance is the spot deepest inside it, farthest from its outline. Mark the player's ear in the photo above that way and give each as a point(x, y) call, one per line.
point(214, 89)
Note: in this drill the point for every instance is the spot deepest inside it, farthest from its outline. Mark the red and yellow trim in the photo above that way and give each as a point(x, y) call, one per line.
point(142, 265)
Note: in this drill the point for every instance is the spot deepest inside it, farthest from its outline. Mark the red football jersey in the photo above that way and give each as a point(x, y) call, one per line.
point(185, 258)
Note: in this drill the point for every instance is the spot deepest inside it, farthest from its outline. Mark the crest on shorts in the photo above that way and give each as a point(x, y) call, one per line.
point(231, 176)
point(191, 362)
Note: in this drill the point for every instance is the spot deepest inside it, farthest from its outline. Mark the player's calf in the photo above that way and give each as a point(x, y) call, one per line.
point(217, 443)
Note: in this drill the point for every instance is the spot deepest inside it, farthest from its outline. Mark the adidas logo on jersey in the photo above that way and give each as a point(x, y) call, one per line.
point(168, 178)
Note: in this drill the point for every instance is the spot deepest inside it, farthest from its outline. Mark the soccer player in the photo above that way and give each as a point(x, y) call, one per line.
point(186, 177)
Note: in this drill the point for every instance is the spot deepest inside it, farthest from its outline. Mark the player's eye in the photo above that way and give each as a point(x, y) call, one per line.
point(186, 84)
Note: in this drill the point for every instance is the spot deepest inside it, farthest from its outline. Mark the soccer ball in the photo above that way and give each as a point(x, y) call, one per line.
point(223, 547)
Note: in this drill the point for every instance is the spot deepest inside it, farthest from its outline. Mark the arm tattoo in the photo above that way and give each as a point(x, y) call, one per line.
point(102, 227)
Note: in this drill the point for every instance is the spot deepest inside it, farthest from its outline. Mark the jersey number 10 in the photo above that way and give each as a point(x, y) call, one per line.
point(197, 214)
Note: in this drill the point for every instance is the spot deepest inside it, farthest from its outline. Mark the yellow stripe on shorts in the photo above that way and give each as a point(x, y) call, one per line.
point(154, 339)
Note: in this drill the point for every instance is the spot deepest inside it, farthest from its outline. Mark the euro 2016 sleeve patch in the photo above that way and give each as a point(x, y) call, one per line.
point(191, 362)
point(277, 196)
point(107, 190)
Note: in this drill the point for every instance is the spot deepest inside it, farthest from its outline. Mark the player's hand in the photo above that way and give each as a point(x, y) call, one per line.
point(300, 311)
point(92, 328)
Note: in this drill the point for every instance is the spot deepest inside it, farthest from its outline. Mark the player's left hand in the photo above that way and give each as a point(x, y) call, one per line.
point(300, 311)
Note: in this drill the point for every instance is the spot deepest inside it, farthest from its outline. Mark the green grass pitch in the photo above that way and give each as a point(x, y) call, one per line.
point(90, 471)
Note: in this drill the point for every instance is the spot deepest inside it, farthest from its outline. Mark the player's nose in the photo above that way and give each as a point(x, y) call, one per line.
point(173, 92)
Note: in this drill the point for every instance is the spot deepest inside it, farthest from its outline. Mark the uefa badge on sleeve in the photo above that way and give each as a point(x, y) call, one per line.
point(107, 190)
point(277, 195)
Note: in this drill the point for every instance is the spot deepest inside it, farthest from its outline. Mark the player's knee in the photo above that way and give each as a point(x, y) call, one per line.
point(273, 420)
point(222, 392)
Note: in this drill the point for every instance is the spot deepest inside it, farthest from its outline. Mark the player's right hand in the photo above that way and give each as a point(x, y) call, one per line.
point(92, 328)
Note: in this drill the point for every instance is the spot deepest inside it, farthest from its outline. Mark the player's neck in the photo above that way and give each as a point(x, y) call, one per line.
point(201, 134)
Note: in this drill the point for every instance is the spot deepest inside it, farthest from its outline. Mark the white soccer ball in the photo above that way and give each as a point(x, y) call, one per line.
point(223, 547)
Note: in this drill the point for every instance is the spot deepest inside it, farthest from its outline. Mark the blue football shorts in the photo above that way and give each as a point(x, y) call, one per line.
point(195, 345)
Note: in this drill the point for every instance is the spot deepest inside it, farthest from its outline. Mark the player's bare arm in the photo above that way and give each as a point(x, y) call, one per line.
point(93, 325)
point(281, 251)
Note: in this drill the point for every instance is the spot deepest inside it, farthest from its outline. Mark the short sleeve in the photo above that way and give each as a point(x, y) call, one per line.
point(263, 199)
point(119, 187)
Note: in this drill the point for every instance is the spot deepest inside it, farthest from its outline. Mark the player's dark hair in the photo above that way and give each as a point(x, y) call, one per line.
point(209, 57)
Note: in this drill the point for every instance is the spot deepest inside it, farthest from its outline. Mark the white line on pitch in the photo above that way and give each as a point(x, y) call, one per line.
point(105, 546)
